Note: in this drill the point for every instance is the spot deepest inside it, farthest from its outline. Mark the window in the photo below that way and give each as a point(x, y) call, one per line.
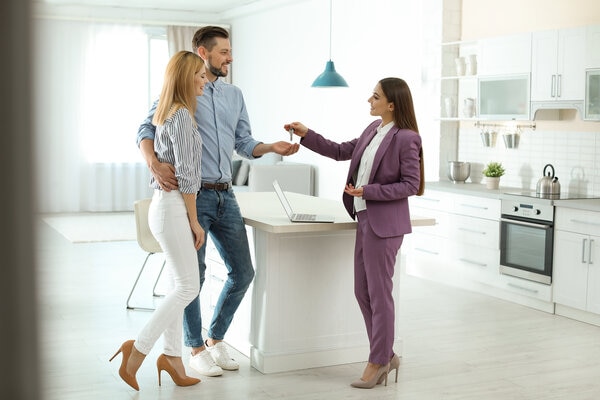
point(123, 73)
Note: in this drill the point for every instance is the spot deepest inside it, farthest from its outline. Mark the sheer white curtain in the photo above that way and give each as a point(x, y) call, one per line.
point(91, 93)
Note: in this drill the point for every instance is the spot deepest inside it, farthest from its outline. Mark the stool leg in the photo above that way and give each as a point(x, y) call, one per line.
point(129, 307)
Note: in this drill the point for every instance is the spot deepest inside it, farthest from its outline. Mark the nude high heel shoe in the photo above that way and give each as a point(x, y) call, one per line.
point(382, 373)
point(163, 364)
point(126, 348)
point(394, 365)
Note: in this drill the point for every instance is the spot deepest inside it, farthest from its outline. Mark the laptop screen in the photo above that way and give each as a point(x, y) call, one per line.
point(284, 201)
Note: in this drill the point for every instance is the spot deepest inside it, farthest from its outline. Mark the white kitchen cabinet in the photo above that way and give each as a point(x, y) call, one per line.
point(592, 95)
point(427, 257)
point(463, 248)
point(576, 275)
point(505, 55)
point(474, 247)
point(592, 39)
point(558, 65)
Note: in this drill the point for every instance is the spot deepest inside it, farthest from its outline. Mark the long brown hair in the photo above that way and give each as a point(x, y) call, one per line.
point(397, 92)
point(178, 87)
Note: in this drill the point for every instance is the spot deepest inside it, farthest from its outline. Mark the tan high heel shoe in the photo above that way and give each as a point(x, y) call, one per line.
point(394, 365)
point(126, 348)
point(382, 372)
point(163, 364)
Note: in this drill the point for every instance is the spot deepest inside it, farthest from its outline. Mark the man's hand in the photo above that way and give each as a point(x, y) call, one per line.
point(164, 174)
point(285, 148)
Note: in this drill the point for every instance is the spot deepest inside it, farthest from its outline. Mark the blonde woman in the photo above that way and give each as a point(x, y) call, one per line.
point(173, 219)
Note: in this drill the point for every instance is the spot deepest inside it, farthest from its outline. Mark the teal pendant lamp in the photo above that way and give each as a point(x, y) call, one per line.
point(329, 77)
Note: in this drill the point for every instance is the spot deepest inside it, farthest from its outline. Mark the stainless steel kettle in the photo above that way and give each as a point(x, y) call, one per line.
point(548, 184)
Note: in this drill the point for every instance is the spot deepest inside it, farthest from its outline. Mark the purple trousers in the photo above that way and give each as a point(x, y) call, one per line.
point(374, 262)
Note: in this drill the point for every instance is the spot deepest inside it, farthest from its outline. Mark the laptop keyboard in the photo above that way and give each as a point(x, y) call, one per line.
point(305, 217)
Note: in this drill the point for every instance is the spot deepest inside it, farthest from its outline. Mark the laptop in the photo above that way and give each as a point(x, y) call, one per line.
point(298, 217)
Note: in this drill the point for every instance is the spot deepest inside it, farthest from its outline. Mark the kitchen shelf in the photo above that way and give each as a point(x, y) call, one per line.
point(465, 43)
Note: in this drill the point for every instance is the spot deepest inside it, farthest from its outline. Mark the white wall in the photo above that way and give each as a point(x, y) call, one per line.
point(486, 18)
point(276, 65)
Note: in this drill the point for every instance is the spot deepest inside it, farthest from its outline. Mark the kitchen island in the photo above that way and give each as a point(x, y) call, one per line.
point(303, 310)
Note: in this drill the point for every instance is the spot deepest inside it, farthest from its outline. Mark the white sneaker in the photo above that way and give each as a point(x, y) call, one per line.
point(204, 364)
point(221, 356)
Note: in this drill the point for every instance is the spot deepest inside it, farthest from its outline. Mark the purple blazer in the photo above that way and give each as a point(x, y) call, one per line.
point(395, 174)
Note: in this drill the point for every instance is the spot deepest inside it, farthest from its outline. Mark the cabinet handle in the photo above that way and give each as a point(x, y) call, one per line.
point(579, 221)
point(473, 206)
point(522, 288)
point(553, 87)
point(435, 253)
point(558, 85)
point(531, 224)
point(472, 231)
point(583, 251)
point(473, 262)
point(590, 251)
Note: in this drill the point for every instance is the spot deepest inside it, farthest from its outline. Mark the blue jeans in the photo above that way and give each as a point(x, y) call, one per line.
point(220, 216)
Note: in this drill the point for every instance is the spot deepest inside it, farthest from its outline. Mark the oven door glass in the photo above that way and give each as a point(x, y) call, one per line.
point(526, 245)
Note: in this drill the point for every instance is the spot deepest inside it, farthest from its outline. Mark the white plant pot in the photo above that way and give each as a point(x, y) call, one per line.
point(492, 182)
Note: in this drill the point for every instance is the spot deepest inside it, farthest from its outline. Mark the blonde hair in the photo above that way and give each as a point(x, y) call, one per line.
point(178, 87)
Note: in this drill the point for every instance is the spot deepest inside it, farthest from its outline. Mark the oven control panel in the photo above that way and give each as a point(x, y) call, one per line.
point(528, 209)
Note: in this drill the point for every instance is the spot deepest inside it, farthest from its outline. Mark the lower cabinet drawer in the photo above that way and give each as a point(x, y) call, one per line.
point(476, 231)
point(524, 287)
point(477, 265)
point(427, 257)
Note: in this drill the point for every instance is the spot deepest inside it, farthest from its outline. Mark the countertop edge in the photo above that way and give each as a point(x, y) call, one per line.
point(480, 190)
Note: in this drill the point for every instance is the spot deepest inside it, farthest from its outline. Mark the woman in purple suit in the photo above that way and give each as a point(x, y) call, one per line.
point(386, 168)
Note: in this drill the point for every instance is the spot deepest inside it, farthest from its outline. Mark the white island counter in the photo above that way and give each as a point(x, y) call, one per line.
point(303, 311)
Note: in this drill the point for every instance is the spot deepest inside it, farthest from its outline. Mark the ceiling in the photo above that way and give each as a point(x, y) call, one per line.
point(221, 8)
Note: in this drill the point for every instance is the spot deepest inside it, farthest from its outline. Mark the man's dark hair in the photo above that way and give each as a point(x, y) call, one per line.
point(206, 35)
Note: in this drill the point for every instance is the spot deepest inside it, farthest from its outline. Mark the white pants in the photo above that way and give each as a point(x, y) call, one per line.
point(169, 223)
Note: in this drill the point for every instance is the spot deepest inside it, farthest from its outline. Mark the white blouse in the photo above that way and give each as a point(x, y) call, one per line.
point(366, 163)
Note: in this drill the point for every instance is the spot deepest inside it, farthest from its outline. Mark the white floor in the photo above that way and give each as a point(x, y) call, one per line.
point(457, 344)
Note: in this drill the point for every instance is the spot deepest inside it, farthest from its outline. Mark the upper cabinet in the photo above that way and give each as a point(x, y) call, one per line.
point(503, 85)
point(558, 65)
point(592, 38)
point(592, 81)
point(505, 55)
point(514, 76)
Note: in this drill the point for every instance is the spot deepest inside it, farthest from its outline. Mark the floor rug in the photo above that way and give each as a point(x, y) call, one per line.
point(94, 227)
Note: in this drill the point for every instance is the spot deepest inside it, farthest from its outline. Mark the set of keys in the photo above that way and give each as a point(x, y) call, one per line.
point(291, 131)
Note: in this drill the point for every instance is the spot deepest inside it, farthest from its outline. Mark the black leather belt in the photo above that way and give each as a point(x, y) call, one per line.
point(220, 186)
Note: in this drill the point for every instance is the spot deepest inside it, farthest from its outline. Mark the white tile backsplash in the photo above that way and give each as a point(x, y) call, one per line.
point(575, 157)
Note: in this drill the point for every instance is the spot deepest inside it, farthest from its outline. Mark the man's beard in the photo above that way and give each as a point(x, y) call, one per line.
point(216, 71)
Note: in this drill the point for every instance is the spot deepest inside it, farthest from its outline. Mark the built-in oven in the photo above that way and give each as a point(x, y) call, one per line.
point(527, 238)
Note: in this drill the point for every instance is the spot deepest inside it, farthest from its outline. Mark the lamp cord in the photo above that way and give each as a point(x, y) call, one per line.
point(330, 19)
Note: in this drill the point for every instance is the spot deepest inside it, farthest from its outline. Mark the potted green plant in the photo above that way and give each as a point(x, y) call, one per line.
point(492, 172)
